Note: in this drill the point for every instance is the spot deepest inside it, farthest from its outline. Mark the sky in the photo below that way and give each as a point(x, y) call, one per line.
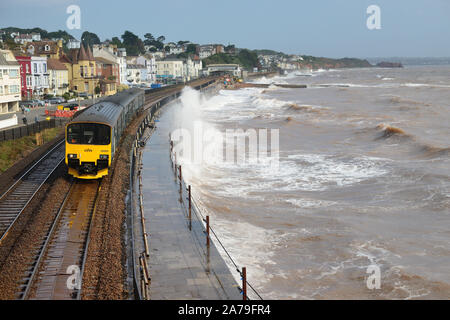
point(329, 28)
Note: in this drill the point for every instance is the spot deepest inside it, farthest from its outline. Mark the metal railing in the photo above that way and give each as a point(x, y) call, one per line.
point(194, 213)
point(199, 228)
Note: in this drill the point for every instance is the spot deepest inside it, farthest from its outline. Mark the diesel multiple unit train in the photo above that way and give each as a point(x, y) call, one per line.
point(93, 136)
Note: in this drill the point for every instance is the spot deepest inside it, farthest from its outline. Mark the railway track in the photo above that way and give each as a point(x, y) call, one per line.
point(14, 201)
point(155, 95)
point(57, 270)
point(57, 259)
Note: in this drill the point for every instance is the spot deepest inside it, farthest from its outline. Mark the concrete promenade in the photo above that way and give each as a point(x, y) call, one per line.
point(180, 264)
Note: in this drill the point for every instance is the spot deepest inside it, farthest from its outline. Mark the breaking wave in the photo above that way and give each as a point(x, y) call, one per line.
point(293, 107)
point(399, 100)
point(422, 150)
point(433, 152)
point(388, 131)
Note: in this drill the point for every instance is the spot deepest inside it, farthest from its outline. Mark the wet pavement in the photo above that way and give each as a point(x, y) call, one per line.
point(181, 266)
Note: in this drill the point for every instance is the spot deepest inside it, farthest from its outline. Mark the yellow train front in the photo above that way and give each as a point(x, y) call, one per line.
point(92, 137)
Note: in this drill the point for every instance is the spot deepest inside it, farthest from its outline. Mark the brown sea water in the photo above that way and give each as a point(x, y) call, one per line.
point(363, 179)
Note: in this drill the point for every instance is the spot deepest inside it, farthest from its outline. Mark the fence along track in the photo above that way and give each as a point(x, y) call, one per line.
point(59, 265)
point(14, 201)
point(32, 128)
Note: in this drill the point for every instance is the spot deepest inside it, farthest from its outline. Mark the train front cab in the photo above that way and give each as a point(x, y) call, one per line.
point(88, 150)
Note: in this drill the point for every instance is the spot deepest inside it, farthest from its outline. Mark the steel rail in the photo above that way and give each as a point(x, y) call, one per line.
point(60, 247)
point(45, 245)
point(31, 194)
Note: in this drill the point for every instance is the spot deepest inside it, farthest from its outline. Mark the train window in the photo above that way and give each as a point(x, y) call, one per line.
point(73, 134)
point(88, 136)
point(88, 133)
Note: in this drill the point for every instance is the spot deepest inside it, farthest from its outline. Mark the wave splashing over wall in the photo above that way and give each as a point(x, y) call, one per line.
point(360, 182)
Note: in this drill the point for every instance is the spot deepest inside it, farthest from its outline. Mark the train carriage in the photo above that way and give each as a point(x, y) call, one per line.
point(93, 136)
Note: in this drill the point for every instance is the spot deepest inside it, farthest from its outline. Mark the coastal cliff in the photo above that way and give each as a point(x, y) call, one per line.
point(311, 62)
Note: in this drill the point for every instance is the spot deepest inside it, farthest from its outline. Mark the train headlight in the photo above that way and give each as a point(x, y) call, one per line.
point(104, 157)
point(72, 155)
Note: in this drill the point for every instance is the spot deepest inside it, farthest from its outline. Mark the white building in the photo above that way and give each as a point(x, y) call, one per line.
point(134, 73)
point(35, 36)
point(9, 82)
point(27, 37)
point(122, 55)
point(177, 50)
point(204, 51)
point(149, 62)
point(192, 68)
point(73, 44)
point(39, 75)
point(170, 69)
point(23, 38)
point(231, 69)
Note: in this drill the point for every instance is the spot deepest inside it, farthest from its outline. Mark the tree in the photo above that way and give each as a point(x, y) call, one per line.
point(191, 48)
point(230, 48)
point(89, 38)
point(248, 58)
point(149, 39)
point(132, 43)
point(161, 39)
point(116, 41)
point(60, 34)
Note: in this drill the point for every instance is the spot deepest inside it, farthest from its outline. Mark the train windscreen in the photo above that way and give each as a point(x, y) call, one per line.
point(88, 133)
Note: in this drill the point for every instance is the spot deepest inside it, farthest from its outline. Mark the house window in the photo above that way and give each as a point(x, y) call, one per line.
point(1, 89)
point(35, 67)
point(13, 73)
point(45, 68)
point(47, 47)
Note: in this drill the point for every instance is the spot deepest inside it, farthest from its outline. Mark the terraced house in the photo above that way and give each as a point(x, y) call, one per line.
point(58, 77)
point(39, 76)
point(25, 77)
point(9, 82)
point(80, 63)
point(108, 72)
